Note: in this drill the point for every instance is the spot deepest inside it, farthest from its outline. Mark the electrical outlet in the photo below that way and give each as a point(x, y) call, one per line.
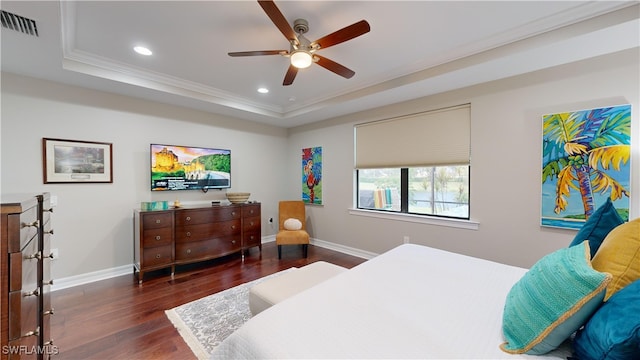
point(406, 239)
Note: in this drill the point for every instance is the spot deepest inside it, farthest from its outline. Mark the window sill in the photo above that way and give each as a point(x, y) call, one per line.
point(455, 223)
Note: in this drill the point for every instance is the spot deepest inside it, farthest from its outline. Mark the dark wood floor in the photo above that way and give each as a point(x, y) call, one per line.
point(120, 319)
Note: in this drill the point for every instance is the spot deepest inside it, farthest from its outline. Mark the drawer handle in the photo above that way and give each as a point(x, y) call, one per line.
point(33, 224)
point(35, 292)
point(251, 211)
point(37, 255)
point(158, 221)
point(50, 282)
point(47, 343)
point(48, 210)
point(188, 218)
point(188, 233)
point(233, 227)
point(188, 251)
point(48, 312)
point(251, 223)
point(51, 256)
point(49, 232)
point(233, 242)
point(233, 213)
point(158, 256)
point(158, 237)
point(35, 332)
point(251, 237)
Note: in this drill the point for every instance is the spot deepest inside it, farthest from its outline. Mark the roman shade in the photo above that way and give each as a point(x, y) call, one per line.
point(434, 138)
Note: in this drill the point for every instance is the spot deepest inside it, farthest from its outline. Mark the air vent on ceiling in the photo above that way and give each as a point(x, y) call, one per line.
point(18, 23)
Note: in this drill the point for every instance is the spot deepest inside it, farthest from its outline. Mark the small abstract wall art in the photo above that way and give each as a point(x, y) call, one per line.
point(312, 175)
point(585, 160)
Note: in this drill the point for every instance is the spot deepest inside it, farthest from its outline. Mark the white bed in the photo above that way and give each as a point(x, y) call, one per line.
point(410, 302)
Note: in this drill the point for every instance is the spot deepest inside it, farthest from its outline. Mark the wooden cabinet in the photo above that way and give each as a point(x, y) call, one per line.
point(207, 233)
point(26, 278)
point(251, 226)
point(153, 240)
point(168, 238)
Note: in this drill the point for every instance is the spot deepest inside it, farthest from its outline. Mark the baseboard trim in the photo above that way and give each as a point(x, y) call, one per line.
point(344, 249)
point(332, 246)
point(82, 279)
point(91, 277)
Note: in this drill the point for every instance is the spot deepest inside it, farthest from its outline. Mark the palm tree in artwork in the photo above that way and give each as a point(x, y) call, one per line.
point(579, 146)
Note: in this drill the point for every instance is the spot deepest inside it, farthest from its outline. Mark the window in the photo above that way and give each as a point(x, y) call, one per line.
point(437, 190)
point(417, 164)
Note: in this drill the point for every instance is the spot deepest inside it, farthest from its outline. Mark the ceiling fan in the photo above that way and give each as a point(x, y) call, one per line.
point(302, 52)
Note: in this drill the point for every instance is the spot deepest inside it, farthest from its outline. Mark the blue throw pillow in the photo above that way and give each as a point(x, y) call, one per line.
point(613, 332)
point(551, 301)
point(599, 224)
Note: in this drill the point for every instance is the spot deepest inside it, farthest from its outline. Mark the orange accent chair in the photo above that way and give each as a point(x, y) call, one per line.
point(296, 234)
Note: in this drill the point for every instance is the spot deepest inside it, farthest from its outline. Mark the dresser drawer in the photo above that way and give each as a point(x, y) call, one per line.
point(159, 255)
point(207, 249)
point(157, 237)
point(251, 224)
point(207, 231)
point(21, 229)
point(251, 239)
point(207, 215)
point(157, 220)
point(251, 210)
point(28, 344)
point(23, 267)
point(23, 312)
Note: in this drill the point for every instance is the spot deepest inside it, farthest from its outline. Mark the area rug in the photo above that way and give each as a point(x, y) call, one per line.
point(204, 323)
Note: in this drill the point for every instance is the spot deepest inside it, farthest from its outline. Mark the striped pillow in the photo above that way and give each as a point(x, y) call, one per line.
point(552, 300)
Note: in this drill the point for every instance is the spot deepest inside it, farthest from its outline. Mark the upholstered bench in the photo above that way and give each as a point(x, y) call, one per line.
point(273, 291)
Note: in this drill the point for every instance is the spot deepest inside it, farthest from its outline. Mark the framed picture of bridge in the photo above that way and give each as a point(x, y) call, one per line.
point(74, 161)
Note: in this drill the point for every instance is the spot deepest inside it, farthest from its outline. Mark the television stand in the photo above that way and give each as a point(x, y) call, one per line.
point(166, 238)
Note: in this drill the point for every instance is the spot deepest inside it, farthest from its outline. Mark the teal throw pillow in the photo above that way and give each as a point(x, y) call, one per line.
point(597, 226)
point(551, 301)
point(613, 332)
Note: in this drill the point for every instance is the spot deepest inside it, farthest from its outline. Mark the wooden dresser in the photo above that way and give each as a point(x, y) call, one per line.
point(25, 283)
point(167, 238)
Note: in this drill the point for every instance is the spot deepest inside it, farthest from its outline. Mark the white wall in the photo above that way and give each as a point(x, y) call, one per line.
point(93, 223)
point(506, 161)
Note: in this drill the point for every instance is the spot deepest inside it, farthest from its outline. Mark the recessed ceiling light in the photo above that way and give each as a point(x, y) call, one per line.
point(142, 50)
point(263, 90)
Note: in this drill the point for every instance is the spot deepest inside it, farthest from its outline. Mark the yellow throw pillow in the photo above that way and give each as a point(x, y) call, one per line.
point(619, 255)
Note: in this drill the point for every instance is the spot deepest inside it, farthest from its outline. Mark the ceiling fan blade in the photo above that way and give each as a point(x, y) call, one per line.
point(256, 53)
point(334, 67)
point(344, 34)
point(278, 19)
point(291, 74)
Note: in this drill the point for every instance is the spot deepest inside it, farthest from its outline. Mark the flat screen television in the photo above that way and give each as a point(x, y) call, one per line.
point(189, 168)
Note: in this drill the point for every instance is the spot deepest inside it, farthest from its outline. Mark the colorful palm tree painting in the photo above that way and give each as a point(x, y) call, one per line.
point(585, 159)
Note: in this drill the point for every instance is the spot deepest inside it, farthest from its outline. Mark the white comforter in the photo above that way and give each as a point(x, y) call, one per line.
point(411, 302)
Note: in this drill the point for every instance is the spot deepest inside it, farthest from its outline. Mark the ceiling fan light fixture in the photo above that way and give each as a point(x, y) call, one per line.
point(302, 52)
point(301, 59)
